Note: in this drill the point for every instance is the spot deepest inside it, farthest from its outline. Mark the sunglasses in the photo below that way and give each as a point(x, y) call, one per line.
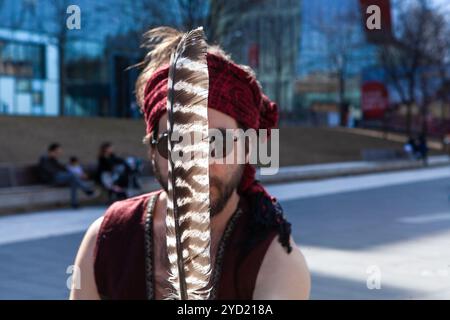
point(217, 142)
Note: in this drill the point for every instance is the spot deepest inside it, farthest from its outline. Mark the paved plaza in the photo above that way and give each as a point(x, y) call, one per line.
point(389, 231)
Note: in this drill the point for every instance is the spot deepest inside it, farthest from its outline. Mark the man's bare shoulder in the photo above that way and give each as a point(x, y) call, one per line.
point(118, 214)
point(283, 275)
point(84, 286)
point(94, 228)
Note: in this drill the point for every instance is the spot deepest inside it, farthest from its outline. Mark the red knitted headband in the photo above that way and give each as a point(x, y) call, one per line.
point(232, 91)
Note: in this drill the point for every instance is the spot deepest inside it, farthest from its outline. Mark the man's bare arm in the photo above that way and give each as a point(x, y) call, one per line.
point(84, 266)
point(282, 275)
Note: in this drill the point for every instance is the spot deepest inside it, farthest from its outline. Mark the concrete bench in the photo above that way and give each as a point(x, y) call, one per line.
point(11, 176)
point(31, 198)
point(34, 197)
point(382, 154)
point(21, 190)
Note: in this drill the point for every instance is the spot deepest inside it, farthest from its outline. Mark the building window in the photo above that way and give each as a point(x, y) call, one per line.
point(23, 86)
point(37, 103)
point(22, 59)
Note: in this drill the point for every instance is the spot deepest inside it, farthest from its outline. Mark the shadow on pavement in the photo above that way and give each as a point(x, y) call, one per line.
point(360, 220)
point(36, 269)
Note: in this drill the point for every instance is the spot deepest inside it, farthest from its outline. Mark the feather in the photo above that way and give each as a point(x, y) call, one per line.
point(188, 207)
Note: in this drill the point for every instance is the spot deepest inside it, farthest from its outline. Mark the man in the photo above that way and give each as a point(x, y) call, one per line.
point(124, 255)
point(53, 172)
point(113, 172)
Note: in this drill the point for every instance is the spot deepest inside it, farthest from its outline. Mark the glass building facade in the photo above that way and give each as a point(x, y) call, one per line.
point(332, 45)
point(94, 77)
point(28, 79)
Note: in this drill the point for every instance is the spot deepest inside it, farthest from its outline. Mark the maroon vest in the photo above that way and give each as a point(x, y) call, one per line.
point(123, 253)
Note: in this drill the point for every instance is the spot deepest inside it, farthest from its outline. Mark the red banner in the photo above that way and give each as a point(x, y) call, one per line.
point(374, 99)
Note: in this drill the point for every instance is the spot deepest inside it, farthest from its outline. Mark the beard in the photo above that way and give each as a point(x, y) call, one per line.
point(220, 191)
point(220, 188)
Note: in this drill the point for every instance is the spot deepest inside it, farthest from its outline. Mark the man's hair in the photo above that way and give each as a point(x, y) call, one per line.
point(160, 43)
point(103, 147)
point(73, 159)
point(53, 146)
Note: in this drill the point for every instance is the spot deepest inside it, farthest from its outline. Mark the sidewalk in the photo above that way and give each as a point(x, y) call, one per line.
point(329, 170)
